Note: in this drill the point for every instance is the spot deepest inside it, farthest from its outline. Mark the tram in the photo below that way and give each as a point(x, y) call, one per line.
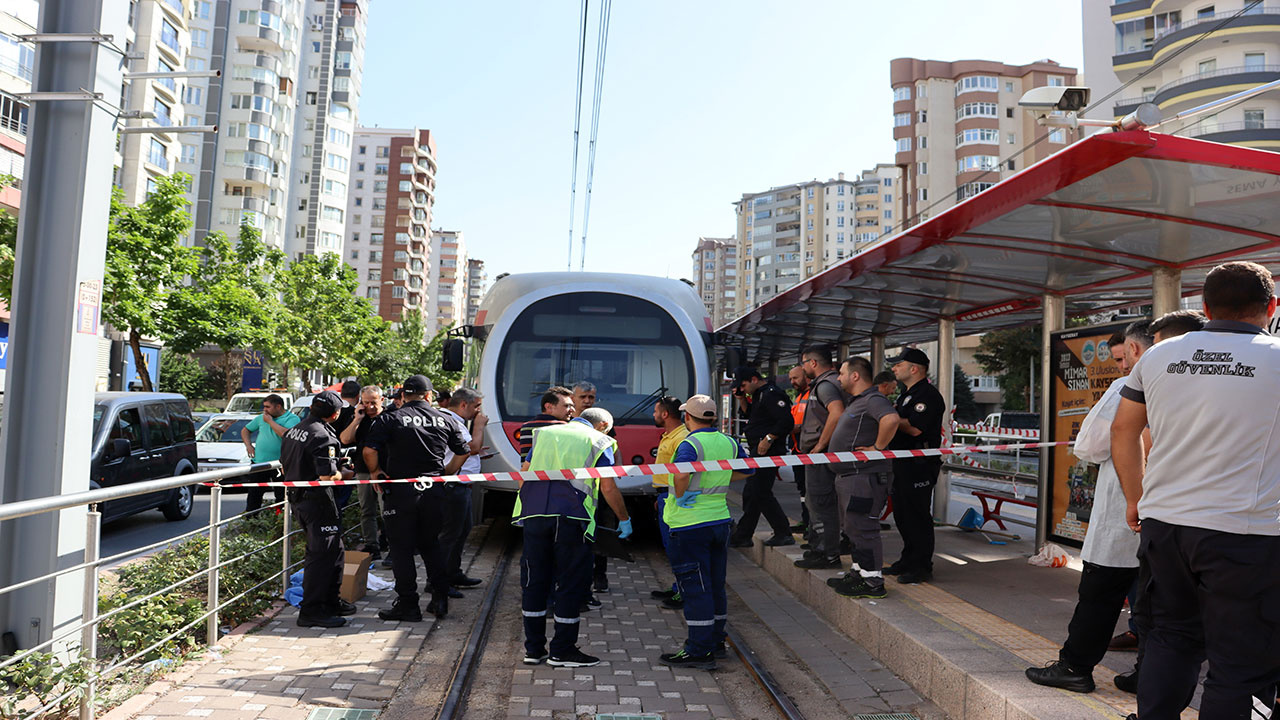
point(636, 338)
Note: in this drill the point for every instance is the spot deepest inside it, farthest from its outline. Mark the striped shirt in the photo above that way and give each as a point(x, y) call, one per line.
point(524, 436)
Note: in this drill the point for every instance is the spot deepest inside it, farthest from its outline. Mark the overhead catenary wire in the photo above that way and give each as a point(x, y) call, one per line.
point(577, 126)
point(602, 47)
point(913, 219)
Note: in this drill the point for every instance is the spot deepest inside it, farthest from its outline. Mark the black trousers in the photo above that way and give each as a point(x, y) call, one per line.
point(317, 516)
point(254, 495)
point(757, 500)
point(1102, 592)
point(799, 472)
point(1215, 596)
point(413, 519)
point(455, 525)
point(913, 483)
point(555, 571)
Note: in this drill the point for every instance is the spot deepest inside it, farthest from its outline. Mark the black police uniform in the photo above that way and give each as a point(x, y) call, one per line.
point(412, 439)
point(309, 450)
point(913, 479)
point(769, 414)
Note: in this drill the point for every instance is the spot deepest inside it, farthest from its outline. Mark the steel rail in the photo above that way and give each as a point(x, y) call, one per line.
point(763, 677)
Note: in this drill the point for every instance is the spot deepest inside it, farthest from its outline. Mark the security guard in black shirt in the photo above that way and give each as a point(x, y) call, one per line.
point(922, 410)
point(769, 422)
point(309, 451)
point(413, 439)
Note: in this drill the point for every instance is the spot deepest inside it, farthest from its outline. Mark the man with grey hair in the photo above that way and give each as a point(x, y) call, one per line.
point(354, 434)
point(463, 407)
point(584, 395)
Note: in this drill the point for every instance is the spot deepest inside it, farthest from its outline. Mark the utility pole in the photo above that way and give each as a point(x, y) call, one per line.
point(57, 291)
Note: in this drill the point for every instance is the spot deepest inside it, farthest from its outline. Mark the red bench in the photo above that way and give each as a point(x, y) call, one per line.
point(990, 513)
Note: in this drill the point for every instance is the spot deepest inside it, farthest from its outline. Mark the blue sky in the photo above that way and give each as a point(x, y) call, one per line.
point(703, 101)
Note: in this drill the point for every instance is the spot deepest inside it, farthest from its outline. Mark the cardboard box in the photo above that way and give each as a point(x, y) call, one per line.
point(355, 575)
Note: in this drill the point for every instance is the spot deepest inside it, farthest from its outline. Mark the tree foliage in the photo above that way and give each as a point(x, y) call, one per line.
point(966, 408)
point(231, 301)
point(182, 374)
point(8, 246)
point(399, 351)
point(1009, 356)
point(146, 262)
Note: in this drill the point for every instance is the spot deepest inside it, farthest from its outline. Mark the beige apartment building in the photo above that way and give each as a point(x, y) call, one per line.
point(17, 64)
point(715, 275)
point(1122, 40)
point(447, 280)
point(477, 283)
point(792, 232)
point(956, 124)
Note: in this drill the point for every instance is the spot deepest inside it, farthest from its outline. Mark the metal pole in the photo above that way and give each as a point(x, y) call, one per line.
point(1053, 318)
point(1166, 291)
point(877, 353)
point(215, 532)
point(89, 609)
point(58, 270)
point(284, 545)
point(946, 386)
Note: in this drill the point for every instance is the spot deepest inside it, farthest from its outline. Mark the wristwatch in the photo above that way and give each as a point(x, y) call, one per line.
point(770, 438)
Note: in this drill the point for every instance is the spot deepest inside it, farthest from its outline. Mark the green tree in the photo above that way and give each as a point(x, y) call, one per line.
point(146, 261)
point(8, 246)
point(1009, 356)
point(182, 374)
point(322, 324)
point(231, 301)
point(402, 350)
point(966, 409)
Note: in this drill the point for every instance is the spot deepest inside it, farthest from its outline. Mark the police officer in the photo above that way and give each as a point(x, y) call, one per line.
point(769, 422)
point(862, 488)
point(558, 517)
point(413, 439)
point(698, 514)
point(309, 451)
point(921, 410)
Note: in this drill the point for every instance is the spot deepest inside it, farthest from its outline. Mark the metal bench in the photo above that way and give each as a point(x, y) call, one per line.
point(990, 513)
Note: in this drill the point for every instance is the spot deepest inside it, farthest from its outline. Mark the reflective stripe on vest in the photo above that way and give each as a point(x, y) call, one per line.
point(560, 447)
point(713, 502)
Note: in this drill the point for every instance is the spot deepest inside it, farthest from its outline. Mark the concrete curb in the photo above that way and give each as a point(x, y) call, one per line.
point(957, 668)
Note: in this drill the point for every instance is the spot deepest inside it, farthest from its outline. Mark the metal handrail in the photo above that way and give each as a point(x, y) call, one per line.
point(35, 506)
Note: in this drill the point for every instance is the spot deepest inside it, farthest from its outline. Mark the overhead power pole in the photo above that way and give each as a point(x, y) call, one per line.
point(57, 292)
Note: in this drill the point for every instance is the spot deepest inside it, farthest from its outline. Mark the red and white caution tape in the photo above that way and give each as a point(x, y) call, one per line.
point(615, 471)
point(1000, 432)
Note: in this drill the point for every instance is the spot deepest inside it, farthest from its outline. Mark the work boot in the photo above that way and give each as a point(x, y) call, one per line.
point(439, 605)
point(800, 528)
point(821, 562)
point(402, 611)
point(575, 658)
point(860, 588)
point(683, 659)
point(662, 594)
point(1061, 675)
point(343, 608)
point(322, 621)
point(675, 602)
point(780, 540)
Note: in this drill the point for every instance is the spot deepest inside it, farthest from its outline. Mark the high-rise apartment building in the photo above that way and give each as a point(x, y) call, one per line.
point(447, 280)
point(715, 277)
point(956, 124)
point(160, 42)
point(1123, 40)
point(477, 280)
point(17, 63)
point(285, 106)
point(391, 191)
point(792, 232)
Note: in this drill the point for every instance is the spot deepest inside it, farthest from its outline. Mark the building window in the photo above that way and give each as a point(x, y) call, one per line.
point(169, 35)
point(922, 90)
point(199, 38)
point(840, 190)
point(342, 60)
point(1254, 119)
point(971, 136)
point(1011, 166)
point(1008, 86)
point(901, 119)
point(1057, 135)
point(1013, 138)
point(188, 153)
point(1255, 61)
point(200, 8)
point(977, 162)
point(1008, 112)
point(1056, 81)
point(924, 197)
point(922, 168)
point(1207, 66)
point(980, 109)
point(904, 144)
point(977, 83)
point(888, 182)
point(924, 116)
point(902, 93)
point(193, 95)
point(335, 162)
point(375, 256)
point(888, 198)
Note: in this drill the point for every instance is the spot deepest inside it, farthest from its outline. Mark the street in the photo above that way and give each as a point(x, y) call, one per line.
point(150, 527)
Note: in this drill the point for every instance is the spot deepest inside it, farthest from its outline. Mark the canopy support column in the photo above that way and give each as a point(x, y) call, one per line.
point(842, 353)
point(946, 386)
point(1166, 291)
point(877, 353)
point(1053, 318)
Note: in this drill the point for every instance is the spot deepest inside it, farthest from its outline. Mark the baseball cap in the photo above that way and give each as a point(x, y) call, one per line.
point(911, 355)
point(701, 407)
point(417, 385)
point(742, 375)
point(326, 403)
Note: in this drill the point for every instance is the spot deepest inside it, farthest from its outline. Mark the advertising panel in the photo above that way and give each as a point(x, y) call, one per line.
point(1083, 369)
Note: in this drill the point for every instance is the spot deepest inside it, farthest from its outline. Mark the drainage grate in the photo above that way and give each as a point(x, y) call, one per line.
point(627, 716)
point(342, 714)
point(885, 716)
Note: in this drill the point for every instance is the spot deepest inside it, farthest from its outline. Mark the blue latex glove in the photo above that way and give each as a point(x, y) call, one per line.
point(624, 529)
point(688, 498)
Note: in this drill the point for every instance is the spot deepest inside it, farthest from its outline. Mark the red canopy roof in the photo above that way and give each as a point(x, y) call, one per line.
point(1089, 223)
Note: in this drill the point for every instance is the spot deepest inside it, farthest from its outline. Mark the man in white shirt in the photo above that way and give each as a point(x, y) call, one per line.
point(1207, 504)
point(464, 408)
point(1110, 552)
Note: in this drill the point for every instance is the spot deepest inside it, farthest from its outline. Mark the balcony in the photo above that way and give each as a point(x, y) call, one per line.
point(1262, 18)
point(786, 218)
point(1245, 75)
point(1252, 131)
point(1127, 105)
point(159, 160)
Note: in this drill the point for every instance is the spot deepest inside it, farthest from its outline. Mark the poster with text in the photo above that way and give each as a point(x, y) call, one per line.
point(1082, 369)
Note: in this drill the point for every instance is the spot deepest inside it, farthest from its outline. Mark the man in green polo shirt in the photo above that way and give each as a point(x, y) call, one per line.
point(266, 448)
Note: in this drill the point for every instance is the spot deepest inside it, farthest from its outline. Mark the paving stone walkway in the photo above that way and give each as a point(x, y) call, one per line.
point(627, 633)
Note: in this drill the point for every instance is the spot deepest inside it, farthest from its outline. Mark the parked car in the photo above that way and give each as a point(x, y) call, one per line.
point(302, 406)
point(1007, 424)
point(218, 441)
point(251, 402)
point(143, 436)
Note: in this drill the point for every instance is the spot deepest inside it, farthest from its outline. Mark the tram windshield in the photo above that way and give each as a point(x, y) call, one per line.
point(627, 347)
